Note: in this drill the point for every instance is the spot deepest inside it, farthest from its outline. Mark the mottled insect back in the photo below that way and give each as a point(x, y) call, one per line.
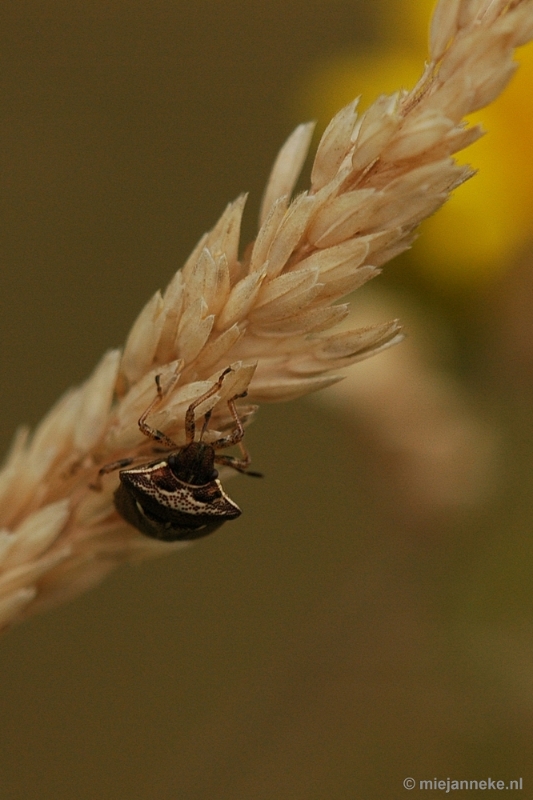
point(179, 497)
point(158, 503)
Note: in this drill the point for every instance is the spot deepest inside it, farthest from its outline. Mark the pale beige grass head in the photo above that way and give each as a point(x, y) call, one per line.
point(267, 313)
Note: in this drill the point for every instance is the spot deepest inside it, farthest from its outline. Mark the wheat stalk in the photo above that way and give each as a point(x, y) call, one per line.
point(374, 178)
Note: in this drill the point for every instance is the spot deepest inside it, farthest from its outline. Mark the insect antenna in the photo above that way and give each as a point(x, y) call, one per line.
point(207, 417)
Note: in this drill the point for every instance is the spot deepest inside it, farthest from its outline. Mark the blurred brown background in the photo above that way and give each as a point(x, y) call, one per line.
point(368, 618)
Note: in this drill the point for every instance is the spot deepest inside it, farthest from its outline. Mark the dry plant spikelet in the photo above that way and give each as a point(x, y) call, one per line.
point(375, 177)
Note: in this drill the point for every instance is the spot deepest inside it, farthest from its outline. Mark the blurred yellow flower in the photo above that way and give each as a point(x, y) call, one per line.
point(488, 220)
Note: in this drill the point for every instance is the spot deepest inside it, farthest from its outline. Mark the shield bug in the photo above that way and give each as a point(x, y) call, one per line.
point(179, 496)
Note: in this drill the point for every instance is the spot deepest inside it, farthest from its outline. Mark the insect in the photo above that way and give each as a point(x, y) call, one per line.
point(179, 496)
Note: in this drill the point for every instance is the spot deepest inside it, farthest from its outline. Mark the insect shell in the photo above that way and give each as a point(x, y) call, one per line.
point(179, 496)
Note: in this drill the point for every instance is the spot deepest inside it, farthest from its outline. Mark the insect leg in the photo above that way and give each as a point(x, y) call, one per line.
point(107, 468)
point(230, 461)
point(190, 426)
point(153, 433)
point(240, 464)
point(238, 432)
point(235, 437)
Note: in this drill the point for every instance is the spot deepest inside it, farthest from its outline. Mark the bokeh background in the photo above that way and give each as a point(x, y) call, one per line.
point(369, 617)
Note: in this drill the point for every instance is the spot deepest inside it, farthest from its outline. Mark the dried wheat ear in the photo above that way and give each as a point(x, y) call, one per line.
point(268, 314)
